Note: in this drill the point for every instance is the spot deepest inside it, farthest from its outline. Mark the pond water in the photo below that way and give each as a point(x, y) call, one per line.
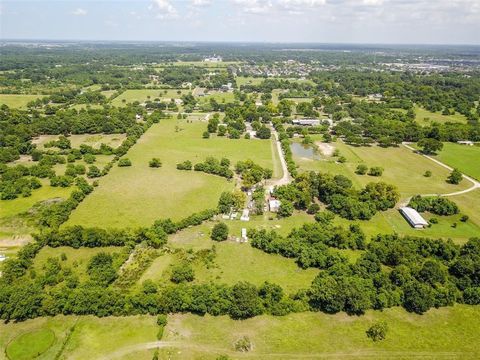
point(306, 152)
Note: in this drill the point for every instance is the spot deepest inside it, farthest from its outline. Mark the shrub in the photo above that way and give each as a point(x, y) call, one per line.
point(375, 171)
point(464, 218)
point(455, 177)
point(94, 172)
point(378, 331)
point(313, 209)
point(220, 232)
point(182, 273)
point(243, 344)
point(124, 162)
point(361, 169)
point(428, 173)
point(342, 159)
point(186, 165)
point(206, 135)
point(155, 163)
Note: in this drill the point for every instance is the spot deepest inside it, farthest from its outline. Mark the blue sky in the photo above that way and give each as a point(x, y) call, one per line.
point(323, 21)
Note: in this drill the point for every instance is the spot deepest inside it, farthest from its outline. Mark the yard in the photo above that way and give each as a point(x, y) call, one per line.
point(138, 195)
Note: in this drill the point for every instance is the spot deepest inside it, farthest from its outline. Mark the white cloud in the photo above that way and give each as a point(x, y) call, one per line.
point(164, 9)
point(372, 2)
point(79, 12)
point(254, 6)
point(200, 3)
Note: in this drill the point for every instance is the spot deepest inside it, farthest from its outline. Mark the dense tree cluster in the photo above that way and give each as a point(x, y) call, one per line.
point(251, 173)
point(436, 205)
point(216, 167)
point(339, 195)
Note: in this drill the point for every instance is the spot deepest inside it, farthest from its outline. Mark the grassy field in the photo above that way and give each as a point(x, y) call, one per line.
point(91, 337)
point(402, 168)
point(30, 345)
point(248, 80)
point(76, 259)
point(138, 195)
point(142, 95)
point(14, 207)
point(219, 96)
point(236, 262)
point(17, 100)
point(425, 117)
point(445, 333)
point(465, 158)
point(94, 140)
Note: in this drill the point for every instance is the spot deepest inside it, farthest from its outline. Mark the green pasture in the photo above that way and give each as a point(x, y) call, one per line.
point(143, 95)
point(446, 333)
point(465, 158)
point(425, 117)
point(402, 168)
point(138, 195)
point(19, 205)
point(17, 100)
point(248, 80)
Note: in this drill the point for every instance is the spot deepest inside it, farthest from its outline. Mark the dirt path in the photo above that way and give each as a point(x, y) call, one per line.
point(286, 178)
point(475, 183)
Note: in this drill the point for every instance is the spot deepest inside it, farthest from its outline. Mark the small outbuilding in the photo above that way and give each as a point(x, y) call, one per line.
point(244, 235)
point(413, 217)
point(274, 205)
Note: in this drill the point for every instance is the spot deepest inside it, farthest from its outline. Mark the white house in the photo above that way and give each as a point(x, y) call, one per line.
point(465, 142)
point(413, 217)
point(274, 205)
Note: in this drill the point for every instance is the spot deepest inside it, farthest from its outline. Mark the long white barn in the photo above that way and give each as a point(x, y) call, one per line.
point(413, 217)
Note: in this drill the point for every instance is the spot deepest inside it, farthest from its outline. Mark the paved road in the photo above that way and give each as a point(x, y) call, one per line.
point(475, 183)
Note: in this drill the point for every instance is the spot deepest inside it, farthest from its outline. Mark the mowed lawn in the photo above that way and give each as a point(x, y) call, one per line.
point(143, 95)
point(425, 117)
point(465, 158)
point(17, 100)
point(402, 168)
point(139, 195)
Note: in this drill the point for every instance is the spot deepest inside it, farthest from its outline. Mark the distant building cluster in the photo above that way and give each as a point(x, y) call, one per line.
point(213, 59)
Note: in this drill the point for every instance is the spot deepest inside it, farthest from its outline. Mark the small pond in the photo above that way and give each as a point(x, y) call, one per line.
point(304, 151)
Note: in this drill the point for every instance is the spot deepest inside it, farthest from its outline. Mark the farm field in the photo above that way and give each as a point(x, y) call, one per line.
point(138, 195)
point(465, 158)
point(425, 117)
point(17, 100)
point(131, 96)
